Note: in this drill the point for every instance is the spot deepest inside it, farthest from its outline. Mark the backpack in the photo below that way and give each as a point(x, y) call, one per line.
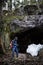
point(11, 44)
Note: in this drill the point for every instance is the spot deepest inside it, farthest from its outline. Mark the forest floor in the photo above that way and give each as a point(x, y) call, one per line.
point(23, 59)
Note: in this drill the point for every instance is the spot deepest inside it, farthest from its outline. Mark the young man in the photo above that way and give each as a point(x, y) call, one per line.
point(14, 47)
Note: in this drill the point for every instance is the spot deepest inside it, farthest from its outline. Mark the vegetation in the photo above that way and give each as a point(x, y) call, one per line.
point(9, 18)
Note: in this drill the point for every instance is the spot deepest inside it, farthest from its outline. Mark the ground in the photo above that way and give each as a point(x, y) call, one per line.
point(23, 59)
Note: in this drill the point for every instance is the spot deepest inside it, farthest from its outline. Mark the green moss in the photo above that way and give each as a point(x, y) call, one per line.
point(8, 18)
point(17, 30)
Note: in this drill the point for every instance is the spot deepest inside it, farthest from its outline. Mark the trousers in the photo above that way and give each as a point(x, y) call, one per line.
point(14, 49)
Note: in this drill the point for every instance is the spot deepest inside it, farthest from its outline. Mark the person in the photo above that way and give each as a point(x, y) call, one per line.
point(14, 47)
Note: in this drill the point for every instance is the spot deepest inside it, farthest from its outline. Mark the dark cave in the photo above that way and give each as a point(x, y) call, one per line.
point(27, 37)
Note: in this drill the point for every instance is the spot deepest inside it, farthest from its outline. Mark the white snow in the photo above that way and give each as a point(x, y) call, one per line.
point(33, 49)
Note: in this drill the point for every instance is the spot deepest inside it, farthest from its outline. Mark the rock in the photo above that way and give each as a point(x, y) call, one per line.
point(28, 55)
point(41, 54)
point(19, 11)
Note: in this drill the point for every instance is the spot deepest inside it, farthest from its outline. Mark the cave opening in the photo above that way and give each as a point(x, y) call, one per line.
point(25, 38)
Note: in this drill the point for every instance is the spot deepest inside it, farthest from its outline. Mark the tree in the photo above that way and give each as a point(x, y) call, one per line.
point(38, 5)
point(1, 26)
point(11, 5)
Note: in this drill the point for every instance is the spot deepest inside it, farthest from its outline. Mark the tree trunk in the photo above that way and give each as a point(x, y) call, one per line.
point(37, 3)
point(2, 50)
point(11, 5)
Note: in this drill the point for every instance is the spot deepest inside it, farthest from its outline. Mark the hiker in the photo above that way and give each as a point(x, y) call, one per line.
point(14, 47)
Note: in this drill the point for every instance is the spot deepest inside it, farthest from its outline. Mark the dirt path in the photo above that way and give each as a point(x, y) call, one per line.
point(22, 59)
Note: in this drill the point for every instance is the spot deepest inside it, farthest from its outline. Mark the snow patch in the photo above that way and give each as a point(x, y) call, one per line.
point(33, 49)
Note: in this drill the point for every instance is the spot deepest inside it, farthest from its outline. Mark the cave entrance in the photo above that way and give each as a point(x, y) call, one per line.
point(28, 37)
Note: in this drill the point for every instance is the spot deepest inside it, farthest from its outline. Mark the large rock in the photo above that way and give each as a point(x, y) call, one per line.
point(19, 11)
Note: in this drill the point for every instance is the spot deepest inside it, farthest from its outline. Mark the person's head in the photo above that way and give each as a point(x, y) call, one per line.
point(16, 38)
